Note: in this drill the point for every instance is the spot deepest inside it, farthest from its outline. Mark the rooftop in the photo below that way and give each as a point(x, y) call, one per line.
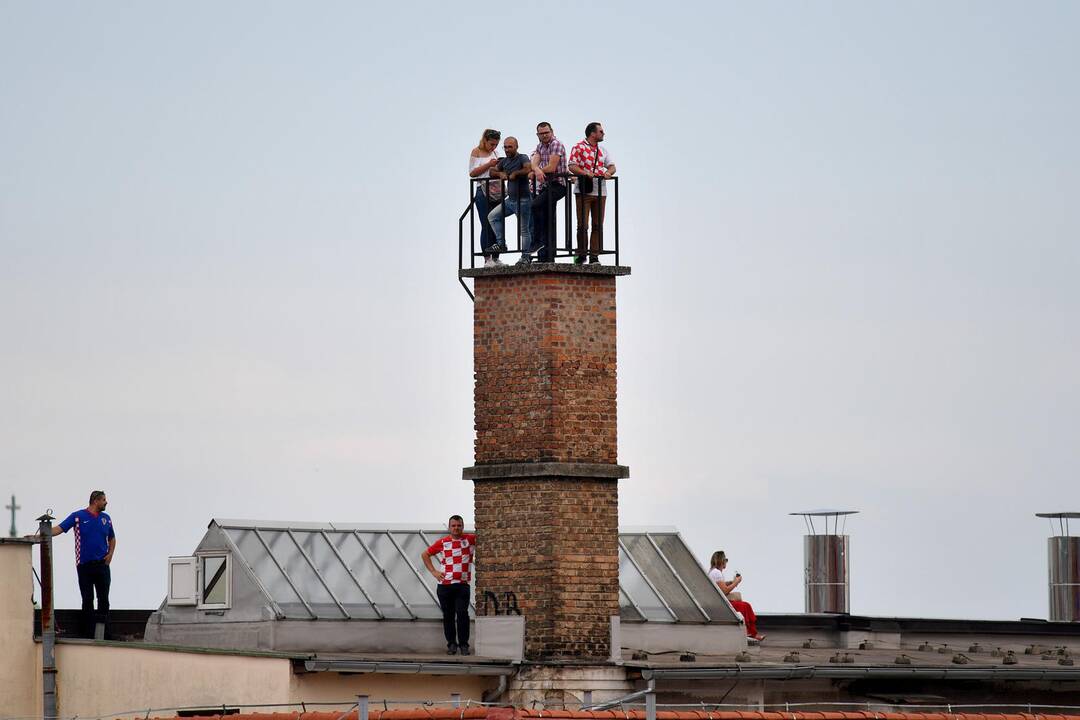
point(344, 571)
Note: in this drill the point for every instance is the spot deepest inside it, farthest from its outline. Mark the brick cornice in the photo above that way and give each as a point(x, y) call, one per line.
point(570, 471)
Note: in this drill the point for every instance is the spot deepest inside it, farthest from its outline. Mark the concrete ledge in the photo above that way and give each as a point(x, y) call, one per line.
point(504, 471)
point(700, 638)
point(539, 268)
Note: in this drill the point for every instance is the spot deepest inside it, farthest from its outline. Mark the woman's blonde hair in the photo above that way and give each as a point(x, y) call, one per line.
point(488, 134)
point(717, 559)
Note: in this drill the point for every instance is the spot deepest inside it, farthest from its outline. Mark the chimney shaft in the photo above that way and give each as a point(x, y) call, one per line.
point(546, 473)
point(827, 589)
point(825, 557)
point(1063, 566)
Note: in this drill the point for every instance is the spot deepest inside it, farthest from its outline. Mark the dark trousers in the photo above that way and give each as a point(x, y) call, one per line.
point(544, 210)
point(454, 600)
point(94, 576)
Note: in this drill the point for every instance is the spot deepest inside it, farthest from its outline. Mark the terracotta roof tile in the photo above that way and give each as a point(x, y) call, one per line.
point(507, 713)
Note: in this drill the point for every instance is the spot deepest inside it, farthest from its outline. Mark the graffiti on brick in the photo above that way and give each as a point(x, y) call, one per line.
point(492, 606)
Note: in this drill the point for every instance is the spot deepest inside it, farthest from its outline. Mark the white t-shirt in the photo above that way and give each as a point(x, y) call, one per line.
point(494, 187)
point(718, 574)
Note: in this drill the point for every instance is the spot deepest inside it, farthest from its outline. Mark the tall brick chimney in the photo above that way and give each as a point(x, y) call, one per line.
point(546, 473)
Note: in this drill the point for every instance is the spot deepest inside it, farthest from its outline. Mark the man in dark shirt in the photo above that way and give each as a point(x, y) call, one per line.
point(95, 543)
point(515, 169)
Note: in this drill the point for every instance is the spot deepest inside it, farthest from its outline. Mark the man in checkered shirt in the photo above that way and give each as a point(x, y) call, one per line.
point(549, 158)
point(588, 159)
point(455, 552)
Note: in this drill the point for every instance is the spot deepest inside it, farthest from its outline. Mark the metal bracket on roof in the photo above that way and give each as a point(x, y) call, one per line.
point(355, 579)
point(671, 567)
point(318, 574)
point(288, 579)
point(386, 576)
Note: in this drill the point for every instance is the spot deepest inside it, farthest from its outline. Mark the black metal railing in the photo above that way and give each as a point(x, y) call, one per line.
point(562, 233)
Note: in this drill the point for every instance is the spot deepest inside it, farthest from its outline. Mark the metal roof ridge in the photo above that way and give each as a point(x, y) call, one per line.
point(248, 524)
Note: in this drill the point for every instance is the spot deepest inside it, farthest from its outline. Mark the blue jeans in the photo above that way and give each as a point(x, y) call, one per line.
point(487, 237)
point(523, 208)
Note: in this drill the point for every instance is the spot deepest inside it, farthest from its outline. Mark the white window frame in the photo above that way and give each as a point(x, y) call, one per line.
point(200, 558)
point(190, 566)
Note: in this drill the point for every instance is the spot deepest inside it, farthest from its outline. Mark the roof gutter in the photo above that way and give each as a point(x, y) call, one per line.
point(407, 668)
point(862, 672)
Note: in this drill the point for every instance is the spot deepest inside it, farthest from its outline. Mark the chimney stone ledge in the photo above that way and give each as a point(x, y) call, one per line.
point(569, 470)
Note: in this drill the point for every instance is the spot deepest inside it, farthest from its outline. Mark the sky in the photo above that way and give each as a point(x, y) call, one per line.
point(228, 272)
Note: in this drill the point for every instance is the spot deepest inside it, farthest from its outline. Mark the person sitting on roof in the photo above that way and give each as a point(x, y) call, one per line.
point(716, 573)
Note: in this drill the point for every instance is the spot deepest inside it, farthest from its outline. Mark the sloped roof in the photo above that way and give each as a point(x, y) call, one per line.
point(344, 571)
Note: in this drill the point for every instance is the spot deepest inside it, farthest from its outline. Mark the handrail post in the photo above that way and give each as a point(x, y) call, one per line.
point(472, 224)
point(601, 197)
point(569, 219)
point(361, 707)
point(616, 219)
point(48, 625)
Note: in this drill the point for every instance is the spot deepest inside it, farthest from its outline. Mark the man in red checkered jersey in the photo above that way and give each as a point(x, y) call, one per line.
point(593, 165)
point(456, 552)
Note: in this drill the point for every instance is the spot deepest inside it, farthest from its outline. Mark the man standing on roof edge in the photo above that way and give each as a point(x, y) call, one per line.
point(456, 551)
point(95, 543)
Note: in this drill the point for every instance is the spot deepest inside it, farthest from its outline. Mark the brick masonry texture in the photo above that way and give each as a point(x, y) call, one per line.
point(553, 542)
point(545, 392)
point(544, 364)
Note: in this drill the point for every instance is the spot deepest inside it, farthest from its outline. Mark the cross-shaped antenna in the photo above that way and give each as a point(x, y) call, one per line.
point(13, 507)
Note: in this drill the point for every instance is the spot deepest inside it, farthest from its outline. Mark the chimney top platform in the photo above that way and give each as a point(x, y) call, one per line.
point(537, 268)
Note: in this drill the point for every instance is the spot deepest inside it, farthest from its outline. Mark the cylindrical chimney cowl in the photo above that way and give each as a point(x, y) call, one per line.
point(1063, 568)
point(825, 562)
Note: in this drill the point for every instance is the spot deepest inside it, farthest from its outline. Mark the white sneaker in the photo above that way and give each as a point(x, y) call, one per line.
point(490, 262)
point(499, 263)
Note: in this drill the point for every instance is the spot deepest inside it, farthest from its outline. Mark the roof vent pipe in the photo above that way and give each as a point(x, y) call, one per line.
point(1063, 564)
point(825, 558)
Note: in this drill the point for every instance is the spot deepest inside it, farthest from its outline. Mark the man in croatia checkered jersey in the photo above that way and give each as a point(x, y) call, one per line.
point(95, 543)
point(456, 552)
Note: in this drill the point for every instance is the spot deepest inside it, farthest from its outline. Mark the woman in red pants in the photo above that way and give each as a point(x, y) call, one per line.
point(716, 572)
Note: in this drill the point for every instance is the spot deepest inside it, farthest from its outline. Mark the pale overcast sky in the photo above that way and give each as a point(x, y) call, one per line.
point(228, 247)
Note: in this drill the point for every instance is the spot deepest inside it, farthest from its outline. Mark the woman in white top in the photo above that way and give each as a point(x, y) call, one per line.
point(482, 160)
point(717, 563)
